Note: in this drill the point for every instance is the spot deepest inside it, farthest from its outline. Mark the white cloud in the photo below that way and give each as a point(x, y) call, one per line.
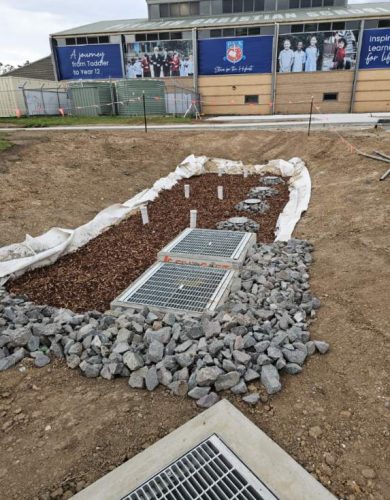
point(25, 28)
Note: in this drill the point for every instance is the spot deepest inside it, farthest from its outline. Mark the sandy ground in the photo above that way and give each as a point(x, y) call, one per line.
point(60, 431)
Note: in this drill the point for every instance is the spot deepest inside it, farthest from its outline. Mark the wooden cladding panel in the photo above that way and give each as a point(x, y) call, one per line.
point(247, 109)
point(218, 81)
point(372, 91)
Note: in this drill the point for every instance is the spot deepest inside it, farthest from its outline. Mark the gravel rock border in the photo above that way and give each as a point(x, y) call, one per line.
point(259, 333)
point(239, 224)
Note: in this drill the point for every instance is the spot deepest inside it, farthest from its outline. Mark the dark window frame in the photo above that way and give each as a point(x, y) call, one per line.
point(251, 99)
point(330, 96)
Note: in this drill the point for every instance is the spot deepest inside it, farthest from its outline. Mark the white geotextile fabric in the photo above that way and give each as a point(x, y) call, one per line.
point(48, 247)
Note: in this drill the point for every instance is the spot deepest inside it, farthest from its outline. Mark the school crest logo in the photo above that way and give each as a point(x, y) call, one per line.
point(235, 51)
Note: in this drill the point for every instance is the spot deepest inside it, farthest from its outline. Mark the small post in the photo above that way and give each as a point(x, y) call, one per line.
point(144, 215)
point(245, 174)
point(311, 114)
point(220, 173)
point(193, 217)
point(220, 192)
point(186, 190)
point(144, 105)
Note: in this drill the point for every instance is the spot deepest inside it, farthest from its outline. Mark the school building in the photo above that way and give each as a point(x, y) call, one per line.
point(244, 56)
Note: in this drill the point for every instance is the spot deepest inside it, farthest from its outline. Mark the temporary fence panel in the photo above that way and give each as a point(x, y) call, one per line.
point(45, 102)
point(92, 99)
point(129, 95)
point(178, 103)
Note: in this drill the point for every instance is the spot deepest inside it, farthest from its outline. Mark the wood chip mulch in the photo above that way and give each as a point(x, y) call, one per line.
point(90, 278)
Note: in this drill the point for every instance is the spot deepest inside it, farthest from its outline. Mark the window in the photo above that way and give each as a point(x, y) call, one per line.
point(215, 33)
point(305, 4)
point(330, 96)
point(164, 10)
point(251, 99)
point(152, 36)
point(311, 27)
point(181, 9)
point(294, 4)
point(338, 26)
point(227, 6)
point(228, 32)
point(248, 5)
point(259, 5)
point(253, 31)
point(104, 39)
point(384, 23)
point(297, 28)
point(81, 40)
point(177, 35)
point(316, 3)
point(93, 39)
point(164, 36)
point(237, 5)
point(241, 31)
point(324, 26)
point(70, 41)
point(328, 3)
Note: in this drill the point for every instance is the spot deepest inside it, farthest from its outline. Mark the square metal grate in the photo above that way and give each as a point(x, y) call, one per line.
point(210, 471)
point(178, 287)
point(215, 248)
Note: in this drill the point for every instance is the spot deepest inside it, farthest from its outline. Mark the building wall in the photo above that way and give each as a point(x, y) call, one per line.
point(226, 94)
point(294, 92)
point(372, 91)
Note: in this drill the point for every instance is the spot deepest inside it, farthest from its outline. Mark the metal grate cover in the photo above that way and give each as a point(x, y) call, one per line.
point(209, 242)
point(212, 247)
point(178, 287)
point(210, 471)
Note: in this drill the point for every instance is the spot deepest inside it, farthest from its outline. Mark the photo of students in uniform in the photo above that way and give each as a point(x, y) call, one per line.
point(159, 59)
point(322, 51)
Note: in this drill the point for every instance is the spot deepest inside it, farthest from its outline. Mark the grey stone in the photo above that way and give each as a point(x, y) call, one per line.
point(262, 346)
point(274, 353)
point(263, 359)
point(162, 335)
point(310, 348)
point(198, 392)
point(280, 364)
point(226, 381)
point(33, 343)
point(169, 319)
point(19, 337)
point(133, 360)
point(151, 379)
point(90, 370)
point(76, 348)
point(179, 388)
point(164, 376)
point(270, 379)
point(106, 373)
point(215, 347)
point(240, 388)
point(121, 348)
point(322, 347)
point(73, 361)
point(184, 346)
point(207, 376)
point(293, 368)
point(185, 359)
point(251, 399)
point(41, 360)
point(6, 363)
point(241, 357)
point(41, 330)
point(156, 351)
point(296, 356)
point(137, 378)
point(251, 375)
point(228, 365)
point(211, 328)
point(208, 400)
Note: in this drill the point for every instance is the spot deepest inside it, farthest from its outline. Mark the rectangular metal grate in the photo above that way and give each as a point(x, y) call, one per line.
point(208, 247)
point(210, 471)
point(209, 242)
point(178, 287)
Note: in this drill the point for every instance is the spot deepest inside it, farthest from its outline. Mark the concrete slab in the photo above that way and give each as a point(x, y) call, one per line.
point(273, 466)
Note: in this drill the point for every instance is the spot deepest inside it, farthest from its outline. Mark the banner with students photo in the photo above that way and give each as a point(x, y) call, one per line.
point(160, 59)
point(235, 56)
point(320, 51)
point(375, 53)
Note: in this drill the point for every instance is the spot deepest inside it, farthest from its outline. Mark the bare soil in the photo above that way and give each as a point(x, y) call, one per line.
point(60, 431)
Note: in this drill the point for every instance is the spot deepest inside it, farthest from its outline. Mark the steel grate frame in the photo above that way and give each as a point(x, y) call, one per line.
point(209, 242)
point(210, 471)
point(178, 287)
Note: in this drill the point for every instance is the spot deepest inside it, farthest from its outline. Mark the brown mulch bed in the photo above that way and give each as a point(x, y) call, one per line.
point(90, 278)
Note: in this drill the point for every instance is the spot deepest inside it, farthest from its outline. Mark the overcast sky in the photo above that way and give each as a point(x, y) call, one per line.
point(25, 25)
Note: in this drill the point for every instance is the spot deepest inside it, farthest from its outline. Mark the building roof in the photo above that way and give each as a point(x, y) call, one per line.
point(41, 69)
point(369, 10)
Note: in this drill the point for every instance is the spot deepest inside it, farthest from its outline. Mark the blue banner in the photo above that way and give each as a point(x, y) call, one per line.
point(375, 53)
point(235, 56)
point(90, 62)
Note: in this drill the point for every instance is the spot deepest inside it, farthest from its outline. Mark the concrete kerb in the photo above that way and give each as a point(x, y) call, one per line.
point(272, 465)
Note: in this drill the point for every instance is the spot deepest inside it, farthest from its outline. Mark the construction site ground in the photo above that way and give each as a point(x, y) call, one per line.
point(60, 431)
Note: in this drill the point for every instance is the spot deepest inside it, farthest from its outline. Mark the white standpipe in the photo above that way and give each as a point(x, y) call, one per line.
point(186, 190)
point(144, 214)
point(245, 174)
point(193, 217)
point(220, 192)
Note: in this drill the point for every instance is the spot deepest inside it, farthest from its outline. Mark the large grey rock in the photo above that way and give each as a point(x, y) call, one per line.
point(226, 381)
point(90, 370)
point(251, 399)
point(137, 378)
point(240, 388)
point(151, 379)
point(19, 337)
point(208, 400)
point(297, 356)
point(211, 328)
point(198, 392)
point(322, 347)
point(241, 357)
point(133, 360)
point(164, 376)
point(270, 379)
point(207, 376)
point(179, 388)
point(162, 335)
point(6, 363)
point(41, 360)
point(156, 351)
point(293, 368)
point(73, 361)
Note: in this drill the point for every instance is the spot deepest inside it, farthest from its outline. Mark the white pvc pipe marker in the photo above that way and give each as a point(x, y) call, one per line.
point(220, 192)
point(186, 190)
point(245, 174)
point(144, 214)
point(193, 216)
